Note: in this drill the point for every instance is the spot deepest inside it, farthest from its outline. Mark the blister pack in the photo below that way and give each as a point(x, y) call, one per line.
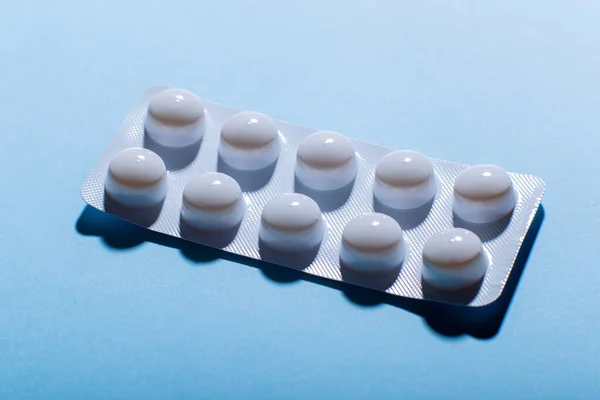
point(316, 201)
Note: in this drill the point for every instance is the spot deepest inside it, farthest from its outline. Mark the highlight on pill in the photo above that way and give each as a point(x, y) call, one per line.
point(213, 201)
point(249, 141)
point(175, 118)
point(326, 160)
point(291, 222)
point(483, 194)
point(372, 243)
point(404, 180)
point(136, 178)
point(453, 259)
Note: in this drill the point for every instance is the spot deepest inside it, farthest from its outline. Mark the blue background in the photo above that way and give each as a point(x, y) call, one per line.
point(91, 307)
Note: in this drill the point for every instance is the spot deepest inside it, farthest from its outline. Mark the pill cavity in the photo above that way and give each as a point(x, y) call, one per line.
point(483, 194)
point(213, 201)
point(372, 243)
point(175, 118)
point(249, 141)
point(136, 177)
point(326, 160)
point(453, 259)
point(291, 222)
point(404, 180)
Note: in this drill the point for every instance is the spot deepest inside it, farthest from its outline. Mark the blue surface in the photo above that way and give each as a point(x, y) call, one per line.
point(93, 308)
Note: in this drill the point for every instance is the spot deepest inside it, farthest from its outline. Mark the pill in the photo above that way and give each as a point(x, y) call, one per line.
point(453, 259)
point(249, 141)
point(326, 160)
point(213, 201)
point(372, 243)
point(175, 118)
point(404, 180)
point(291, 222)
point(136, 178)
point(483, 194)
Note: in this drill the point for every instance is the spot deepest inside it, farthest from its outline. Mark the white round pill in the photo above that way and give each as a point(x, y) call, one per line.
point(453, 259)
point(213, 201)
point(136, 178)
point(326, 161)
point(404, 179)
point(292, 222)
point(483, 194)
point(175, 118)
point(249, 141)
point(372, 243)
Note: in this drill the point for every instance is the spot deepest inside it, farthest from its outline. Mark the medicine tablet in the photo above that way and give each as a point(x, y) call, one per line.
point(326, 161)
point(291, 222)
point(136, 178)
point(483, 194)
point(175, 118)
point(404, 180)
point(213, 201)
point(249, 141)
point(372, 243)
point(453, 259)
